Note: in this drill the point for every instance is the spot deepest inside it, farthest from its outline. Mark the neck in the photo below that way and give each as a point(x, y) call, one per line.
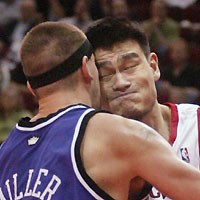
point(159, 119)
point(52, 103)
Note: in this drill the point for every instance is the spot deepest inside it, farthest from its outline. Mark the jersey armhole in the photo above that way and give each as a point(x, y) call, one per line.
point(98, 193)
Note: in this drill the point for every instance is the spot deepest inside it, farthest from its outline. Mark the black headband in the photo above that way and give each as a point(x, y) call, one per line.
point(65, 68)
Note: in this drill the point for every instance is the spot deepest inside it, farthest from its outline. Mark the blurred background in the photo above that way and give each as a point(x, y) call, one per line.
point(172, 26)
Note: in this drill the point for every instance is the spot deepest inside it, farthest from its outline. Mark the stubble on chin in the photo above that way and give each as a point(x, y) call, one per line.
point(131, 112)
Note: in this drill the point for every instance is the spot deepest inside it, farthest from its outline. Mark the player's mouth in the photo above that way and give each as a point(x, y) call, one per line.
point(123, 95)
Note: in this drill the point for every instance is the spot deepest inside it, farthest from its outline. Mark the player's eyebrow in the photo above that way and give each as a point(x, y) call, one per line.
point(123, 57)
point(129, 55)
point(103, 63)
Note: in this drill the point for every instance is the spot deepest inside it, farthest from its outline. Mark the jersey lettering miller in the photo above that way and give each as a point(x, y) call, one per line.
point(47, 193)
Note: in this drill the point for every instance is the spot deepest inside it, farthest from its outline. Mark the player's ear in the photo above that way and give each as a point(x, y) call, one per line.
point(86, 70)
point(30, 89)
point(153, 61)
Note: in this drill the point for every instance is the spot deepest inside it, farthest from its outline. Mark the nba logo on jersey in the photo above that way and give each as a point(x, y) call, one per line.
point(185, 154)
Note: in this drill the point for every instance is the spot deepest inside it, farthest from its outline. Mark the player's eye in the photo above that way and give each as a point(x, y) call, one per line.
point(105, 77)
point(129, 67)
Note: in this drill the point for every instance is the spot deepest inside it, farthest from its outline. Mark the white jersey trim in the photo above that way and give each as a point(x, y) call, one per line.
point(48, 121)
point(78, 175)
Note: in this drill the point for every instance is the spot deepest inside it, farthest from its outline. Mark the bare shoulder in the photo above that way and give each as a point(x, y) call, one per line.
point(109, 148)
point(120, 137)
point(116, 128)
point(116, 149)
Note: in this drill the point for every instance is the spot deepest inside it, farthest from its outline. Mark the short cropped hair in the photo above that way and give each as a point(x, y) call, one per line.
point(108, 31)
point(47, 45)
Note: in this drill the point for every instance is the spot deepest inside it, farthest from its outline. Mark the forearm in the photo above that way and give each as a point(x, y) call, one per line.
point(177, 180)
point(159, 165)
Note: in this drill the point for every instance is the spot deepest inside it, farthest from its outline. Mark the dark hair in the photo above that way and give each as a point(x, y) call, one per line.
point(106, 32)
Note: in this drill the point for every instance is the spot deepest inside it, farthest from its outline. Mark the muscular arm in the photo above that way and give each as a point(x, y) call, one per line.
point(124, 149)
point(159, 165)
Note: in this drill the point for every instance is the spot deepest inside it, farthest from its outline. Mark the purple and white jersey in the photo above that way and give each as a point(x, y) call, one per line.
point(185, 137)
point(41, 159)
